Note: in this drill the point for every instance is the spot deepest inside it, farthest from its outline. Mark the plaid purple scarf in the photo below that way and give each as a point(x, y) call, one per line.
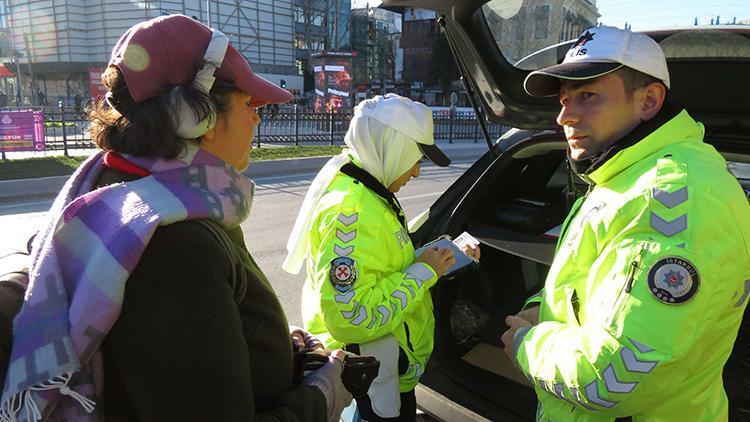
point(80, 263)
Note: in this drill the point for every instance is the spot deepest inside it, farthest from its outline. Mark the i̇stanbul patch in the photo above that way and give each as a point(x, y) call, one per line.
point(673, 280)
point(343, 274)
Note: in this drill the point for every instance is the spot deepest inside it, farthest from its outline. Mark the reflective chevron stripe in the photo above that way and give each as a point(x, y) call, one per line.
point(409, 288)
point(614, 385)
point(669, 228)
point(744, 295)
point(418, 273)
point(350, 314)
point(385, 314)
point(592, 392)
point(401, 296)
point(416, 369)
point(670, 200)
point(580, 399)
point(345, 298)
point(517, 339)
point(640, 346)
point(372, 321)
point(361, 316)
point(338, 250)
point(560, 393)
point(346, 237)
point(632, 363)
point(348, 220)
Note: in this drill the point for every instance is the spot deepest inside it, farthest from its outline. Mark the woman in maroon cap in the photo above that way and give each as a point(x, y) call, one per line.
point(144, 303)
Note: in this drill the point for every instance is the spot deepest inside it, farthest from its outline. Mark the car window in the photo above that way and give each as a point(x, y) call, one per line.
point(533, 33)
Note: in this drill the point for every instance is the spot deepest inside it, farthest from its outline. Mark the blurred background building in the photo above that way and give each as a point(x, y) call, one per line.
point(61, 45)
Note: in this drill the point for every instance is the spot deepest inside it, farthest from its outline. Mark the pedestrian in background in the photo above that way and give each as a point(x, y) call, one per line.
point(144, 302)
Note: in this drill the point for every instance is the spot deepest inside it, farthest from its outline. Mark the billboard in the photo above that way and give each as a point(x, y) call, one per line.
point(333, 81)
point(21, 131)
point(96, 89)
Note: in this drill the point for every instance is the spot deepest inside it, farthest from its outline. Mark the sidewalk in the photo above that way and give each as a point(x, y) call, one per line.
point(44, 187)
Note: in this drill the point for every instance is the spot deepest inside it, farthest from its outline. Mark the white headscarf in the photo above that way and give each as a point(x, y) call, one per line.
point(377, 141)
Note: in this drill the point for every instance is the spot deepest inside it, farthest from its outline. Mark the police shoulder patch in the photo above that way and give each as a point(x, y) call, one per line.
point(673, 280)
point(343, 273)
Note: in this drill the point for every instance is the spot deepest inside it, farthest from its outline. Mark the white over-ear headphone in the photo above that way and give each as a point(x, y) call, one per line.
point(187, 123)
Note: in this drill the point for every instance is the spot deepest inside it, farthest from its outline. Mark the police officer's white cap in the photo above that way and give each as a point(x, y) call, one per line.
point(598, 51)
point(410, 118)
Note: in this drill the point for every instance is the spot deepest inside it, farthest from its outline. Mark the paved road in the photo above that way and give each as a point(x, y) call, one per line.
point(277, 201)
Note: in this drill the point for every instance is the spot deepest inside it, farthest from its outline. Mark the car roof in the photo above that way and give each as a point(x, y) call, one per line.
point(709, 68)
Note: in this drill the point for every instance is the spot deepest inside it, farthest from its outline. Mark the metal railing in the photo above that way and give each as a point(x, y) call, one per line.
point(66, 127)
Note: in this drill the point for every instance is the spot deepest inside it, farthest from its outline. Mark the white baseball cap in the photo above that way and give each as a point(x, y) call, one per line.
point(410, 118)
point(598, 51)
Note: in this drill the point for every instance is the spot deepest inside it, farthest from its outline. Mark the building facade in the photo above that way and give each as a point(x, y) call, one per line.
point(319, 25)
point(420, 31)
point(376, 34)
point(63, 42)
point(537, 24)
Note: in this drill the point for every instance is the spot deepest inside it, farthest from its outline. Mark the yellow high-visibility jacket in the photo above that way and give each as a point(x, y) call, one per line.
point(362, 282)
point(643, 301)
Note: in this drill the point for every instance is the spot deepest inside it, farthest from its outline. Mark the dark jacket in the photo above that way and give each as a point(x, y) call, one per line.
point(196, 342)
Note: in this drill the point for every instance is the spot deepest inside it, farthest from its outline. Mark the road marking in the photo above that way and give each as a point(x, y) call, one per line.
point(424, 195)
point(48, 203)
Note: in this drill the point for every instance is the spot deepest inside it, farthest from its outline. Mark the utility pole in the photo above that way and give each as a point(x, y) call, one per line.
point(29, 57)
point(208, 11)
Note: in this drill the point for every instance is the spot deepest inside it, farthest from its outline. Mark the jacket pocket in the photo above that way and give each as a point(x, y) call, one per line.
point(634, 267)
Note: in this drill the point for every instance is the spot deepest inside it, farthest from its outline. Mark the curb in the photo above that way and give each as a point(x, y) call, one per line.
point(41, 187)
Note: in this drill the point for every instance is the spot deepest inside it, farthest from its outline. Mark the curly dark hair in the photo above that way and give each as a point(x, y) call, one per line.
point(146, 128)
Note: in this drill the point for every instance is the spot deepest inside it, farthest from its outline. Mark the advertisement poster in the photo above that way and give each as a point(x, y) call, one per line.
point(21, 131)
point(96, 89)
point(333, 81)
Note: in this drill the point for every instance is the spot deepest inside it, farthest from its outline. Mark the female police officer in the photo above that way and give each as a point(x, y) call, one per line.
point(363, 281)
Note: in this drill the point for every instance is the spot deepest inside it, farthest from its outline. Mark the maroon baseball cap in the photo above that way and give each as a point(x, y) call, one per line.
point(168, 51)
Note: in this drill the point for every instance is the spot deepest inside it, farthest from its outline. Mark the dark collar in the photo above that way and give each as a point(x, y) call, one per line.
point(589, 165)
point(374, 185)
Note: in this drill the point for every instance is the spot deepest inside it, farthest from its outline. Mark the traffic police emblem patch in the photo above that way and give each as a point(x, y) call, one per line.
point(673, 280)
point(343, 274)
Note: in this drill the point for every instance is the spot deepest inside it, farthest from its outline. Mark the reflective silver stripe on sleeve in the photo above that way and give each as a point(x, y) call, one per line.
point(348, 220)
point(668, 228)
point(409, 288)
point(372, 321)
point(385, 313)
point(361, 316)
point(534, 296)
point(339, 251)
point(670, 200)
point(744, 295)
point(346, 236)
point(632, 363)
point(640, 346)
point(401, 296)
point(517, 339)
point(419, 273)
point(350, 314)
point(560, 393)
point(592, 392)
point(419, 370)
point(345, 298)
point(580, 400)
point(614, 385)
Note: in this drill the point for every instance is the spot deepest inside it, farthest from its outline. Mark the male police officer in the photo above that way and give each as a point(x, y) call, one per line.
point(643, 301)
